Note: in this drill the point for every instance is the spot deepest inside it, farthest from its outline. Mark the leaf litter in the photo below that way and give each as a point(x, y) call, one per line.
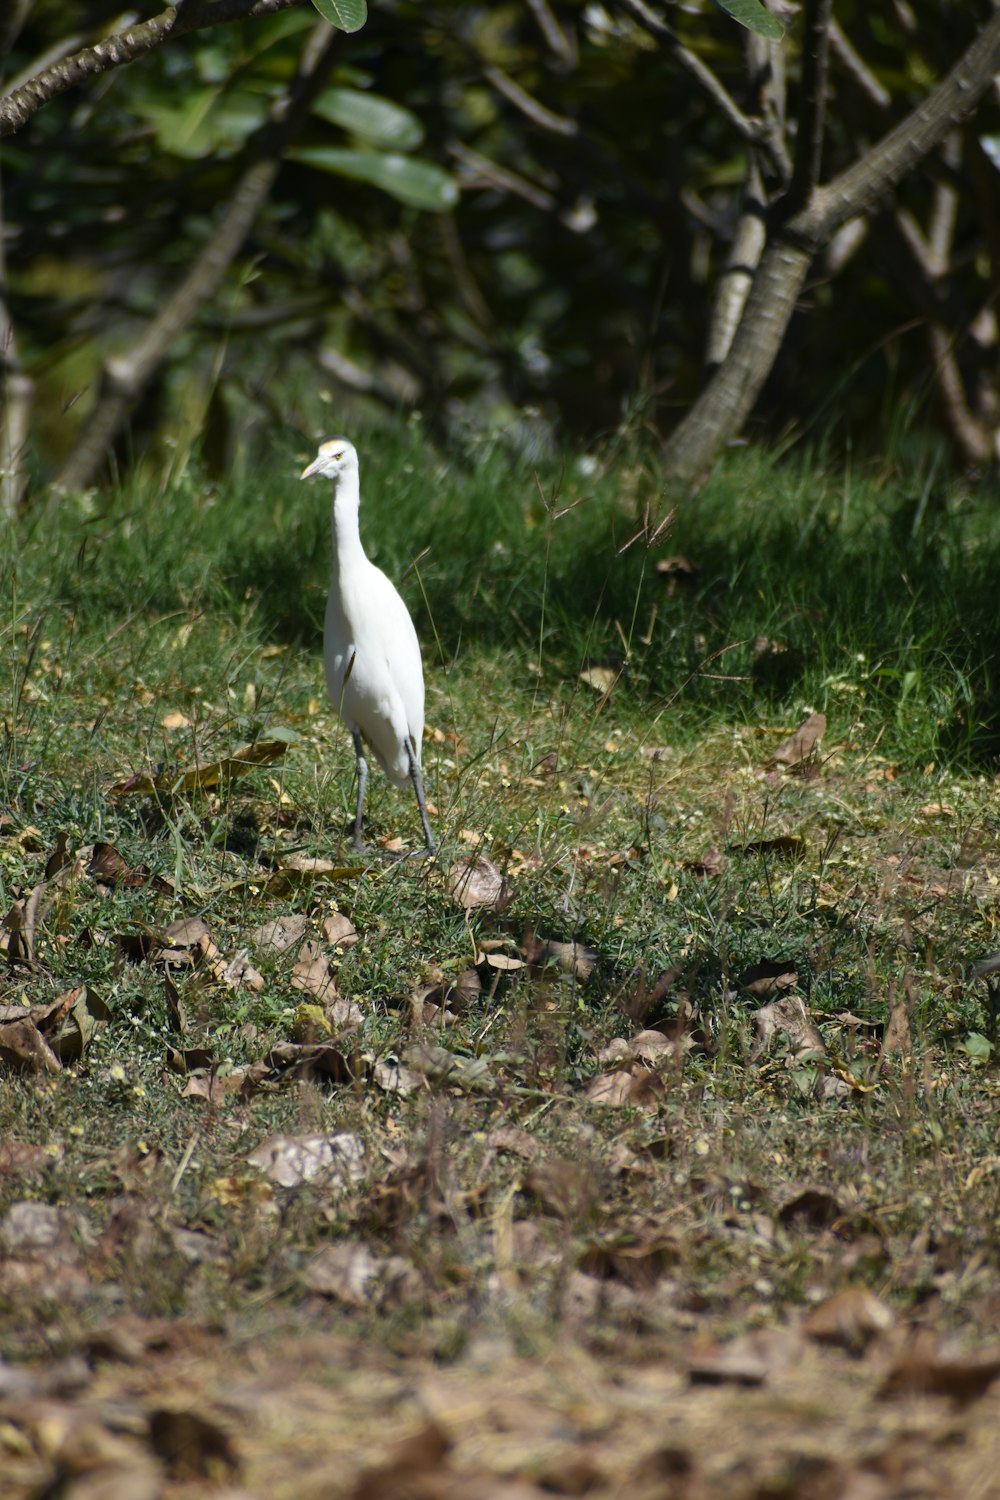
point(565, 1296)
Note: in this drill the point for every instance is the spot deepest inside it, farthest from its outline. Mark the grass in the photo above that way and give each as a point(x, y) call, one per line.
point(151, 634)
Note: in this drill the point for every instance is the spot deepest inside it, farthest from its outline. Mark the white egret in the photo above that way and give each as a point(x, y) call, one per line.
point(370, 648)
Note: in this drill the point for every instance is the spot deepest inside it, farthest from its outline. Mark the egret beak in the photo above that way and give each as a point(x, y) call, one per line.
point(313, 467)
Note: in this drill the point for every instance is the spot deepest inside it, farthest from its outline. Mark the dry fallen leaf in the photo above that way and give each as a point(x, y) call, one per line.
point(352, 1273)
point(897, 1032)
point(281, 933)
point(927, 1370)
point(601, 679)
point(335, 1160)
point(748, 1360)
point(314, 973)
point(851, 1319)
point(801, 745)
point(339, 930)
point(478, 882)
point(787, 1016)
point(191, 1445)
point(170, 783)
point(568, 958)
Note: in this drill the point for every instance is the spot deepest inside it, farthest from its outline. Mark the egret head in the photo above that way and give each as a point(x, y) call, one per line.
point(336, 456)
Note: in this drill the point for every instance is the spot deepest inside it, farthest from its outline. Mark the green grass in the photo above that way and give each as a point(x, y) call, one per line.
point(203, 607)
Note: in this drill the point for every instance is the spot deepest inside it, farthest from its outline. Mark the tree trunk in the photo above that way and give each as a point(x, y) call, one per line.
point(729, 397)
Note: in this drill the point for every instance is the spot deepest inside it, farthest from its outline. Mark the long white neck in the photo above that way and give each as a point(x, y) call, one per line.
point(347, 548)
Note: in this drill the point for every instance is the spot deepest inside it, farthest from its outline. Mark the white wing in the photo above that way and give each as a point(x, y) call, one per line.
point(382, 693)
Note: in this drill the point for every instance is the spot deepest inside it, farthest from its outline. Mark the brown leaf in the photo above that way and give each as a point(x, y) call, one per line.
point(339, 930)
point(410, 1463)
point(747, 1360)
point(568, 958)
point(478, 882)
point(814, 1208)
point(769, 977)
point(851, 1319)
point(191, 1446)
point(926, 1370)
point(781, 843)
point(313, 972)
point(24, 1049)
point(623, 1087)
point(281, 933)
point(311, 1060)
point(170, 783)
point(802, 744)
point(787, 1016)
point(897, 1032)
point(334, 1161)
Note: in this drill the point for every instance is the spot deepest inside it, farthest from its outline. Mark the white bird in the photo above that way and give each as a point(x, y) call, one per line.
point(370, 648)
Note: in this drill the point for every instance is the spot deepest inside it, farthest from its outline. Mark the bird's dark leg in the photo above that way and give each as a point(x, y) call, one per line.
point(418, 787)
point(362, 769)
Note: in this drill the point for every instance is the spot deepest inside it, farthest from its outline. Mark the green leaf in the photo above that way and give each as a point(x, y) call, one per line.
point(754, 16)
point(379, 120)
point(976, 1047)
point(408, 178)
point(348, 15)
point(205, 121)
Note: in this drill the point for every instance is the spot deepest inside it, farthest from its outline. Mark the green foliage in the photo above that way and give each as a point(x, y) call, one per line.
point(381, 121)
point(573, 269)
point(755, 17)
point(421, 184)
point(348, 15)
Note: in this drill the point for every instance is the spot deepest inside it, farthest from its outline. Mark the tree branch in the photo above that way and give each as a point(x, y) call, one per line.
point(812, 104)
point(17, 107)
point(754, 132)
point(854, 64)
point(528, 105)
point(859, 189)
point(727, 400)
point(561, 44)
